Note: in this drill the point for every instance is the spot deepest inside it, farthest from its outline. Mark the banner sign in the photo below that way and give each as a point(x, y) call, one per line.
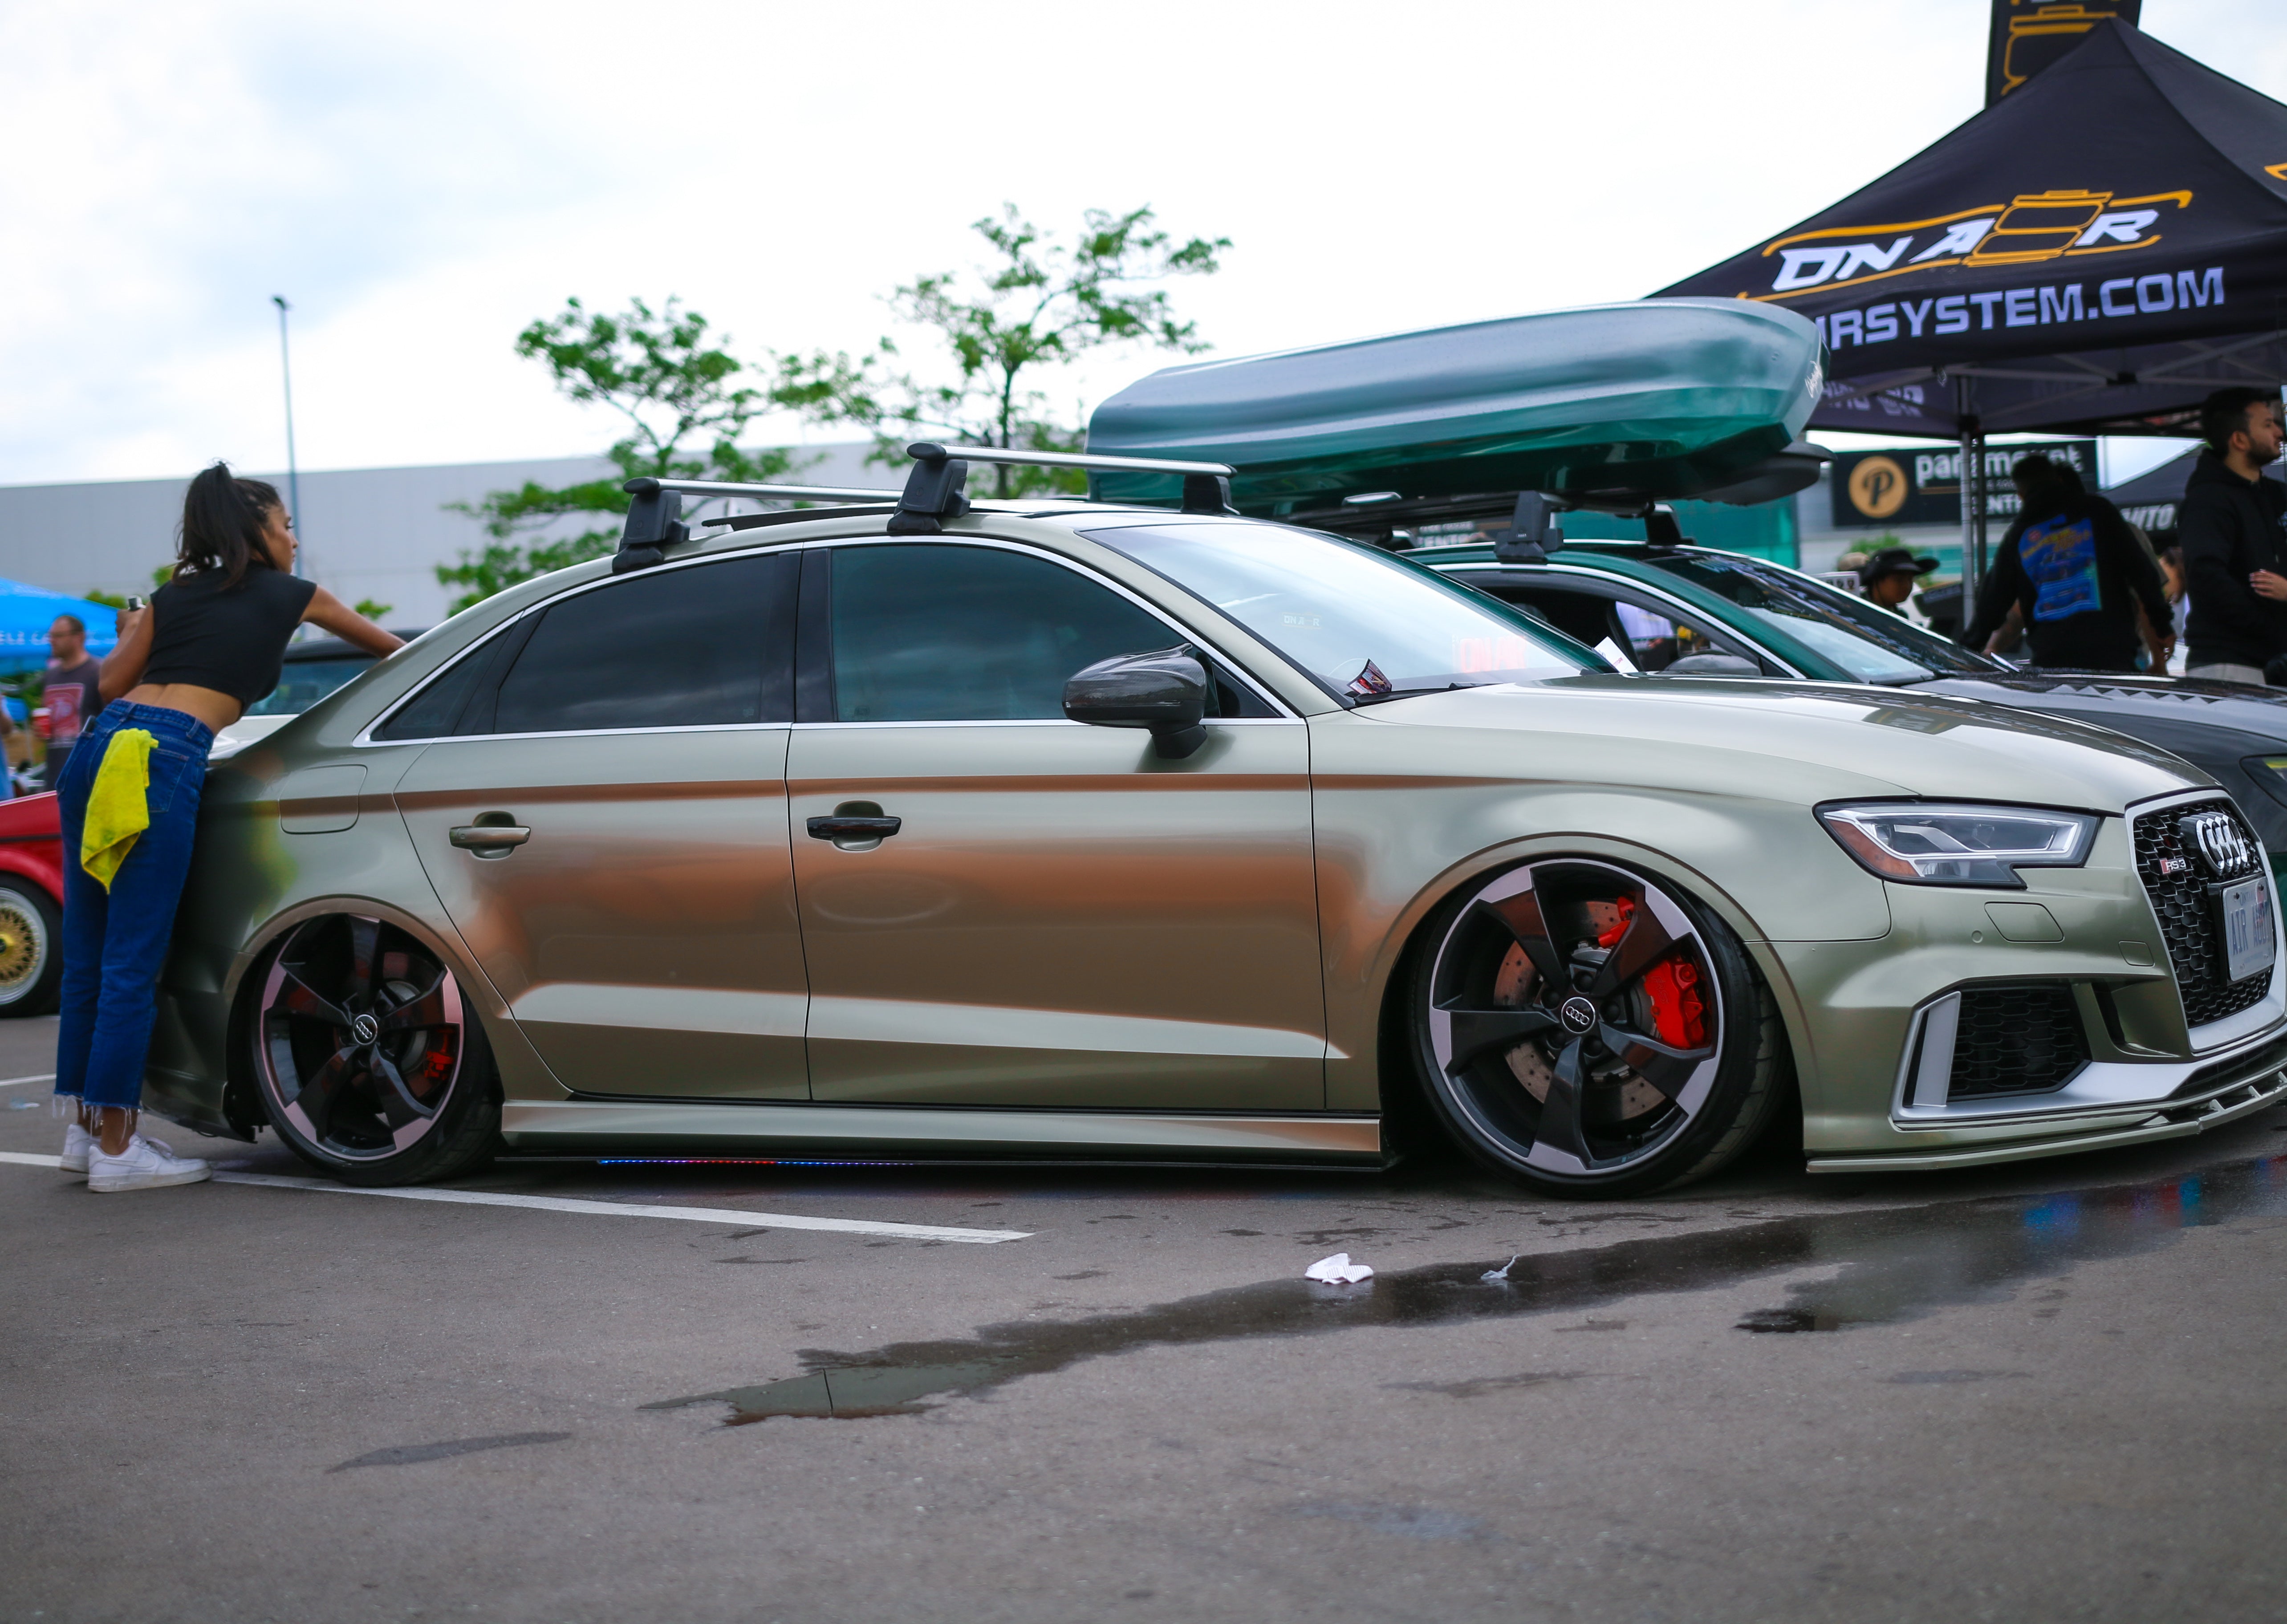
point(2027, 35)
point(1889, 489)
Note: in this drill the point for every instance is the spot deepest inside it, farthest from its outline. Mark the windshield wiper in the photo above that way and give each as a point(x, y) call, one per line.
point(1376, 699)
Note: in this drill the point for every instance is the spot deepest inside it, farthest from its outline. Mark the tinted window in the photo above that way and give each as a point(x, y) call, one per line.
point(931, 632)
point(704, 646)
point(438, 711)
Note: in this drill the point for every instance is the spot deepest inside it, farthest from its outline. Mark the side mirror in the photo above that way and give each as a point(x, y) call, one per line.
point(1165, 691)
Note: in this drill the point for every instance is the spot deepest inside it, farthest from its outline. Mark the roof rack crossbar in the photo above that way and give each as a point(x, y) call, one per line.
point(790, 492)
point(655, 508)
point(936, 489)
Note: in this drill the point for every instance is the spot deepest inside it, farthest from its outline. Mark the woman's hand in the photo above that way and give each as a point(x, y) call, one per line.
point(332, 615)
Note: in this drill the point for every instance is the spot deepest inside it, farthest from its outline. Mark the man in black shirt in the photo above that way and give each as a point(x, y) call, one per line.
point(2233, 529)
point(2072, 570)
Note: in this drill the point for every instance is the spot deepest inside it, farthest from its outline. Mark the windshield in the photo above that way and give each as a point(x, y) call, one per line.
point(1363, 624)
point(1863, 638)
point(305, 682)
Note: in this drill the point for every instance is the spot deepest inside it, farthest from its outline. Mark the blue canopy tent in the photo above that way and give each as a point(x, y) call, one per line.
point(26, 613)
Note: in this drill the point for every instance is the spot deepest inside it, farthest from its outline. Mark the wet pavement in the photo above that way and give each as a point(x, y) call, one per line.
point(2047, 1392)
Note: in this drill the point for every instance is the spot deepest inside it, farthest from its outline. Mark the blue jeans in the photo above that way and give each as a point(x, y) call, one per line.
point(116, 941)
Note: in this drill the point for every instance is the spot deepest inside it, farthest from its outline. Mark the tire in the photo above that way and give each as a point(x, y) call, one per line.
point(31, 949)
point(372, 1067)
point(1553, 1023)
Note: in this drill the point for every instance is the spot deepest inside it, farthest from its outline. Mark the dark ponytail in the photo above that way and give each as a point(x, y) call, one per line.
point(223, 520)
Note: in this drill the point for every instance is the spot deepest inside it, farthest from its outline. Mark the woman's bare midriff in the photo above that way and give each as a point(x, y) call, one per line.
point(211, 706)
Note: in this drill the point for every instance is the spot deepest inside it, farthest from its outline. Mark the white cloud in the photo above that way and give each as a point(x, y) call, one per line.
point(423, 178)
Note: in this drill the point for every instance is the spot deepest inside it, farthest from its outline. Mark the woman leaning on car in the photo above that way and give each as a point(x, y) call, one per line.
point(210, 644)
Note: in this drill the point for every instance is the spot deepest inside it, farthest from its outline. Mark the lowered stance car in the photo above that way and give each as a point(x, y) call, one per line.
point(1055, 828)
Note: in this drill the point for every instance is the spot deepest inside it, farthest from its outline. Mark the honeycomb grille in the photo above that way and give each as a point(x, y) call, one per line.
point(2179, 893)
point(2016, 1040)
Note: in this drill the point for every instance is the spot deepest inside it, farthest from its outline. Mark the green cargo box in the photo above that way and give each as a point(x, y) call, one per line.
point(1613, 404)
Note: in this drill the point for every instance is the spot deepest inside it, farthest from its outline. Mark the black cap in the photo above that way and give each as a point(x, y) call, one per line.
point(1893, 561)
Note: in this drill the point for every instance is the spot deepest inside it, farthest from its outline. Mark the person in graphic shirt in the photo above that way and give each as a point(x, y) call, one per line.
point(2073, 573)
point(72, 695)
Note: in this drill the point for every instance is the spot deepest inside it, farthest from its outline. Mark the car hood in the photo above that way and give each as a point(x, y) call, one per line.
point(1815, 742)
point(2261, 712)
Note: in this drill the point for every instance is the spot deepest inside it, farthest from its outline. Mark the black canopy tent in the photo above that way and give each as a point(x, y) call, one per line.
point(2094, 254)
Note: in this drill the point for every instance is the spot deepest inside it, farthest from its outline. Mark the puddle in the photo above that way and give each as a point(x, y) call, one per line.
point(1883, 1267)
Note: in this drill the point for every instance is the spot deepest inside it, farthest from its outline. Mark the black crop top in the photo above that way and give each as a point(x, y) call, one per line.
point(232, 639)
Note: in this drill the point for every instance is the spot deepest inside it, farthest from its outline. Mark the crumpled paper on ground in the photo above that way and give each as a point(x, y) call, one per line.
point(1338, 1271)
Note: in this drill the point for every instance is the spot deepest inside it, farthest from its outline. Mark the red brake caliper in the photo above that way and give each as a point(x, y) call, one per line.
point(1678, 1012)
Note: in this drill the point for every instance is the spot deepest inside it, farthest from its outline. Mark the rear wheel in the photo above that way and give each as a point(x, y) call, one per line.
point(372, 1067)
point(1587, 1032)
point(31, 948)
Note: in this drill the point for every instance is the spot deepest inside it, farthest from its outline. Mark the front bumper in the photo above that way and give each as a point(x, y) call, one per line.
point(1873, 1014)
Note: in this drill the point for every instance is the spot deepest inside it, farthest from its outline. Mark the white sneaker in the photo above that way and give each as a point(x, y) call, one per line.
point(147, 1165)
point(78, 1143)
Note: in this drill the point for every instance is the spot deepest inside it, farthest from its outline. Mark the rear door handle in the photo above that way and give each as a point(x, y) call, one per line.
point(842, 828)
point(489, 839)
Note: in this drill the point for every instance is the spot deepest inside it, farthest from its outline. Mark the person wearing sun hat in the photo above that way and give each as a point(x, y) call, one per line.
point(1887, 577)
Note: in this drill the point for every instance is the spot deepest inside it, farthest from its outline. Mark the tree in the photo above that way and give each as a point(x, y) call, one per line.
point(1038, 304)
point(686, 403)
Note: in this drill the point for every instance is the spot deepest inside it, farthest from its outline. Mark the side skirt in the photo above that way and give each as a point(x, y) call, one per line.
point(664, 1127)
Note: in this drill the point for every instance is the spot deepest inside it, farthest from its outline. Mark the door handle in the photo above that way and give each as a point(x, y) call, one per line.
point(844, 828)
point(489, 839)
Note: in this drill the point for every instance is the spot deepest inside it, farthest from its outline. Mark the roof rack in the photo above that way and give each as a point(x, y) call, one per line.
point(934, 490)
point(654, 515)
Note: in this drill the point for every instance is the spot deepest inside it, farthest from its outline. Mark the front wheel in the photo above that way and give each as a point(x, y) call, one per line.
point(372, 1067)
point(1586, 1032)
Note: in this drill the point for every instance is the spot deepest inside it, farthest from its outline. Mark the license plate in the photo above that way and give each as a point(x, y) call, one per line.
point(2246, 928)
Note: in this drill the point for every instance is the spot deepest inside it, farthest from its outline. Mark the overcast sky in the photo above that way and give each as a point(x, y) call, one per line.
point(422, 178)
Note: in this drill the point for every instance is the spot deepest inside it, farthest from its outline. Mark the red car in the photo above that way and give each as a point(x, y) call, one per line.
point(31, 905)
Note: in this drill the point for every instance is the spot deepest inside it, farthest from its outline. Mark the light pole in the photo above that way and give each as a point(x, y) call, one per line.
point(293, 475)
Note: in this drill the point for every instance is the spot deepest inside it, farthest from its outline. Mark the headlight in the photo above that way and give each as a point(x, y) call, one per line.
point(1935, 843)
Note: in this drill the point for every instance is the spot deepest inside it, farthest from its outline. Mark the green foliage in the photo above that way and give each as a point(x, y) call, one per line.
point(1039, 303)
point(373, 611)
point(685, 402)
point(113, 600)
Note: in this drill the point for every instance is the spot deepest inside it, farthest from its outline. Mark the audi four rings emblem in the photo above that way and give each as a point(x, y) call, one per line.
point(2220, 845)
point(1578, 1014)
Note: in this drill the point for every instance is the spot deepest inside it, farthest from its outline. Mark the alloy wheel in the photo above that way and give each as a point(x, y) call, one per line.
point(1576, 1020)
point(362, 1038)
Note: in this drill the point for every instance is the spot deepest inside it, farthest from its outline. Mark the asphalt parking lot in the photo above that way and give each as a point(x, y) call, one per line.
point(2047, 1393)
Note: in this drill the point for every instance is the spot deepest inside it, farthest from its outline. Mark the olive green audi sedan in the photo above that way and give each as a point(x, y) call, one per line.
point(1063, 830)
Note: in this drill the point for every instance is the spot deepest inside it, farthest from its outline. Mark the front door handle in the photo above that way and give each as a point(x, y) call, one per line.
point(840, 827)
point(489, 839)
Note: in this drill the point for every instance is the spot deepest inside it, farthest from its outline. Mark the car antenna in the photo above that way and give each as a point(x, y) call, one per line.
point(934, 489)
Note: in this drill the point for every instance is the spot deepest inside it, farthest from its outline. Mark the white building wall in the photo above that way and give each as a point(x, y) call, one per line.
point(367, 532)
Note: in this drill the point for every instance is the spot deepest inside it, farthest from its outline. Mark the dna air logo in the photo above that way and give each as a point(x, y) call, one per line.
point(2028, 229)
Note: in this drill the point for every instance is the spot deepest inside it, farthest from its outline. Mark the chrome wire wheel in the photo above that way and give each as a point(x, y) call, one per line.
point(362, 1042)
point(28, 951)
point(1576, 1020)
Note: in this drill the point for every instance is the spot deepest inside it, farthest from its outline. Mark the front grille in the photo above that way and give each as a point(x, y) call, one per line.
point(2177, 886)
point(2016, 1040)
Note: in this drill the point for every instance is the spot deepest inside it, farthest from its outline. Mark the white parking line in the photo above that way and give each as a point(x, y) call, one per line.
point(731, 1216)
point(18, 1082)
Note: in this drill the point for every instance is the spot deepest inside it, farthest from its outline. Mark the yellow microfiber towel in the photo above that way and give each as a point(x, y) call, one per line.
point(119, 807)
